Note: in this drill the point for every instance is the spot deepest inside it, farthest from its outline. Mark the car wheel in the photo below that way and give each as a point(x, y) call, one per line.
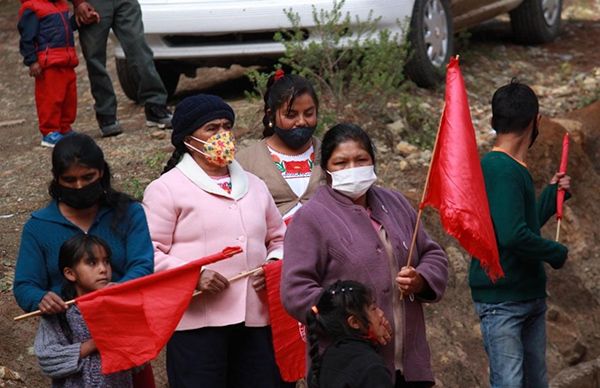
point(536, 21)
point(130, 82)
point(169, 74)
point(431, 42)
point(128, 79)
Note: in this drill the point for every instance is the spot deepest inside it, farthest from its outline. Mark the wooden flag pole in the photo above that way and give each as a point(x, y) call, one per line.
point(236, 277)
point(70, 302)
point(38, 312)
point(420, 212)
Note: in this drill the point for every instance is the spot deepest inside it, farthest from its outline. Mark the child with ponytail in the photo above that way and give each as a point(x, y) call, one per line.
point(63, 345)
point(348, 320)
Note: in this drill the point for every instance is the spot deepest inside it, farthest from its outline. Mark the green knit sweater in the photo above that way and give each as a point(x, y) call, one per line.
point(517, 220)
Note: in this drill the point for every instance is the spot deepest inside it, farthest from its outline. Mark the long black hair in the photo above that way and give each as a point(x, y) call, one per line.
point(79, 148)
point(176, 156)
point(328, 319)
point(74, 250)
point(341, 133)
point(285, 89)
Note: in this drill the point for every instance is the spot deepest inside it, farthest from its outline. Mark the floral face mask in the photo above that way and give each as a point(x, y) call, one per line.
point(219, 149)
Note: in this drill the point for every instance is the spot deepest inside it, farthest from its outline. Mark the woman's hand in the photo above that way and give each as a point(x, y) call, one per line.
point(258, 280)
point(212, 282)
point(52, 304)
point(409, 281)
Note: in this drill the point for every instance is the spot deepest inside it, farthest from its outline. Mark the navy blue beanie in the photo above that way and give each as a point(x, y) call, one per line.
point(195, 111)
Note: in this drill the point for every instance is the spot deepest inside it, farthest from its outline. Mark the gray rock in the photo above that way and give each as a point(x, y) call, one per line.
point(585, 375)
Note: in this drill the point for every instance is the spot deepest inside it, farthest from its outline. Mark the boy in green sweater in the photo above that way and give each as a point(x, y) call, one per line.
point(512, 310)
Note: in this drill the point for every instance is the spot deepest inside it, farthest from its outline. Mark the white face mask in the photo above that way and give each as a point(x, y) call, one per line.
point(353, 182)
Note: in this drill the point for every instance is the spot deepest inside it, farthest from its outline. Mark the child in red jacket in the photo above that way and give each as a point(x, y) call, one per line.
point(48, 49)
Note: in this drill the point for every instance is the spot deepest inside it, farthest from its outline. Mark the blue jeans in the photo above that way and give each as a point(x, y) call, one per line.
point(514, 336)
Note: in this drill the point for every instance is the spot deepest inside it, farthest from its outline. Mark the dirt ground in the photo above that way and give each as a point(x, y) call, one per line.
point(565, 74)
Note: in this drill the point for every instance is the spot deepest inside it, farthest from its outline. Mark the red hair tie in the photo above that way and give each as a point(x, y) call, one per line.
point(279, 73)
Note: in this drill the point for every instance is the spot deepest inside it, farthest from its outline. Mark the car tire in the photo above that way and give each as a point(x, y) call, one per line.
point(130, 82)
point(431, 42)
point(536, 21)
point(169, 74)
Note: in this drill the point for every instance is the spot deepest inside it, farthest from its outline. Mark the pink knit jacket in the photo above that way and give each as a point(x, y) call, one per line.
point(190, 216)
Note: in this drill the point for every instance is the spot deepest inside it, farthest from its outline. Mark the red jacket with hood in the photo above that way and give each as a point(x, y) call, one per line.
point(46, 33)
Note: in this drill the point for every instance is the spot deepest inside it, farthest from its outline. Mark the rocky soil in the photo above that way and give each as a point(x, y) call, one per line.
point(565, 74)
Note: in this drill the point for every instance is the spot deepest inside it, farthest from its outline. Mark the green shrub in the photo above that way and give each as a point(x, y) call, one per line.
point(357, 71)
point(355, 68)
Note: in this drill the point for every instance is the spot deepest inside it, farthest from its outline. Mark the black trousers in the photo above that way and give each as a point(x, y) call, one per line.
point(222, 357)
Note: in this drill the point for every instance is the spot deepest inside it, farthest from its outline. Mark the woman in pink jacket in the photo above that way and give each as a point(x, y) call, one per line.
point(204, 202)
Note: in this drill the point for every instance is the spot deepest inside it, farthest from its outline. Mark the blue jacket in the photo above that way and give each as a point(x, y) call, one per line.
point(47, 33)
point(37, 269)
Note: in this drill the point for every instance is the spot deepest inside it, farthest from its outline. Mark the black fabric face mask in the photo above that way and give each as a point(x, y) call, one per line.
point(82, 198)
point(296, 137)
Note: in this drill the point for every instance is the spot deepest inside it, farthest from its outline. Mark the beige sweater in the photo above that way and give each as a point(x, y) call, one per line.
point(256, 159)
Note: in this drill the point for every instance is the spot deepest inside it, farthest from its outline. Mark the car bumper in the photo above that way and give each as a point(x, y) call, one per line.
point(203, 29)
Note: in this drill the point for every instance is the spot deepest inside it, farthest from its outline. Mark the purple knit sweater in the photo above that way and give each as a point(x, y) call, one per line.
point(331, 238)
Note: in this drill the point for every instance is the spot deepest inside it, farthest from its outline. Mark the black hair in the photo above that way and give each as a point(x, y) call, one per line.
point(514, 107)
point(285, 89)
point(73, 251)
point(79, 148)
point(175, 158)
point(328, 319)
point(341, 133)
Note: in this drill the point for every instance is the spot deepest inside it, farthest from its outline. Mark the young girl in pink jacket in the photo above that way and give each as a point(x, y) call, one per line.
point(204, 202)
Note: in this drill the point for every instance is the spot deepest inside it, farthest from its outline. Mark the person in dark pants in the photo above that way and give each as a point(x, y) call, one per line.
point(125, 19)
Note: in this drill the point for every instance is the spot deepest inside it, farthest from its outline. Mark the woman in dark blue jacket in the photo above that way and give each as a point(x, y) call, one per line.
point(82, 201)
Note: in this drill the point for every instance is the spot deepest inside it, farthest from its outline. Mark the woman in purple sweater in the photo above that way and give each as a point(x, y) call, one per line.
point(353, 230)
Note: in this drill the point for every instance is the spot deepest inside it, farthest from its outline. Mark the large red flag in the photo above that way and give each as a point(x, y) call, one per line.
point(455, 184)
point(290, 348)
point(132, 321)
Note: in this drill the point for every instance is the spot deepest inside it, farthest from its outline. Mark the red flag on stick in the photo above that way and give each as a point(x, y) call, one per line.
point(132, 321)
point(560, 195)
point(455, 184)
point(290, 348)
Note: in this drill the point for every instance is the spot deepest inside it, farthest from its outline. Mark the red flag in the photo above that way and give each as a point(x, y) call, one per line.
point(290, 348)
point(131, 322)
point(560, 196)
point(455, 183)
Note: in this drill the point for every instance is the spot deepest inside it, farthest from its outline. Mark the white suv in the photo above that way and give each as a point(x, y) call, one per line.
point(187, 34)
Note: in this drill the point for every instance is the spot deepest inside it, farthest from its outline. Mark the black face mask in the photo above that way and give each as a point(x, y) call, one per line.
point(534, 133)
point(296, 137)
point(83, 198)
